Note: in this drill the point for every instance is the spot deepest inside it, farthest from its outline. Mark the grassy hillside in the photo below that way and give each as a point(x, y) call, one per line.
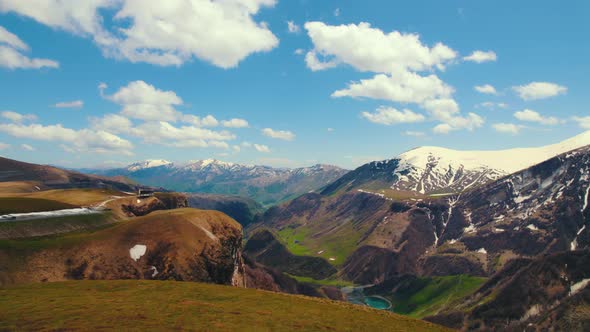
point(421, 297)
point(26, 204)
point(157, 305)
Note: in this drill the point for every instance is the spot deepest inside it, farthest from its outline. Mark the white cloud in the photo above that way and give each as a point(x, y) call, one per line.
point(70, 104)
point(10, 39)
point(330, 130)
point(83, 140)
point(299, 51)
point(278, 134)
point(481, 56)
point(113, 123)
point(161, 132)
point(164, 33)
point(207, 121)
point(492, 105)
point(4, 146)
point(17, 117)
point(532, 116)
point(583, 121)
point(509, 128)
point(370, 49)
point(471, 122)
point(236, 148)
point(11, 53)
point(337, 12)
point(141, 100)
point(414, 133)
point(315, 64)
point(389, 116)
point(27, 147)
point(235, 123)
point(403, 87)
point(486, 89)
point(262, 148)
point(539, 90)
point(292, 27)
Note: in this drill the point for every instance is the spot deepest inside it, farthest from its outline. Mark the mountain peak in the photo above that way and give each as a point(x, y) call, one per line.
point(149, 163)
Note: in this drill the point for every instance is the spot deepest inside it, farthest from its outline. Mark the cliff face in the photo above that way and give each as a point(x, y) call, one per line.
point(182, 244)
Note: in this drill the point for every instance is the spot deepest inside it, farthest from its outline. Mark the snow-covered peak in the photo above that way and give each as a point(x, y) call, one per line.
point(508, 161)
point(199, 164)
point(429, 169)
point(150, 163)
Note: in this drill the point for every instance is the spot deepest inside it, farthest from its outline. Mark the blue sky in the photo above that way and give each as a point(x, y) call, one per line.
point(294, 91)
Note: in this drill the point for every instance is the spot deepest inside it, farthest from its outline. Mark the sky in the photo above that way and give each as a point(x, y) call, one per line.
point(103, 83)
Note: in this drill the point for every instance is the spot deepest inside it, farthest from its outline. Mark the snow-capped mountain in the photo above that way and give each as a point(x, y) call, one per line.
point(150, 163)
point(431, 170)
point(265, 184)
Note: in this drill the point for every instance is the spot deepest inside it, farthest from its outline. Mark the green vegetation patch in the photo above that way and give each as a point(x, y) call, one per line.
point(26, 205)
point(426, 296)
point(323, 282)
point(167, 305)
point(336, 245)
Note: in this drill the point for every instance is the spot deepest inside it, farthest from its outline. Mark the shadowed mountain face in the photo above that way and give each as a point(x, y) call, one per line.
point(264, 184)
point(27, 176)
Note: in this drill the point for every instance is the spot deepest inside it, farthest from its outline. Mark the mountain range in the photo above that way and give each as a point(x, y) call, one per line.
point(264, 184)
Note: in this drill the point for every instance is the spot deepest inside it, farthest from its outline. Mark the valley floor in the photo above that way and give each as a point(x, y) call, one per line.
point(157, 305)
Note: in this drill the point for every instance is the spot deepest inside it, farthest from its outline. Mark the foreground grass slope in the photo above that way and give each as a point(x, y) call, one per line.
point(151, 305)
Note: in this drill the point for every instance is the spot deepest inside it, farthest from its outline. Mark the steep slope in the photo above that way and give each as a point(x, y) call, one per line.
point(537, 211)
point(546, 293)
point(431, 170)
point(180, 244)
point(243, 210)
point(151, 305)
point(264, 184)
point(31, 177)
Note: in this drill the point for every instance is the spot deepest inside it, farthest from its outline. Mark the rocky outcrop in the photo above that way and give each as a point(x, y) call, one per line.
point(134, 207)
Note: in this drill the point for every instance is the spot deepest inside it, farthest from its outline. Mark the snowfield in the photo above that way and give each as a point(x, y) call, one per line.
point(430, 168)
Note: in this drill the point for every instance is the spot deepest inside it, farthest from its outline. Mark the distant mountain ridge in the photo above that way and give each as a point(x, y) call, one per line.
point(435, 170)
point(267, 185)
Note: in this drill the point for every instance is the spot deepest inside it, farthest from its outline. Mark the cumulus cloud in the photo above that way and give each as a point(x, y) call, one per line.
point(164, 33)
point(481, 56)
point(583, 121)
point(403, 87)
point(12, 56)
point(27, 147)
point(70, 104)
point(539, 90)
point(165, 133)
point(389, 116)
point(262, 148)
point(486, 89)
point(299, 51)
point(370, 49)
point(532, 116)
point(83, 140)
point(235, 123)
point(470, 122)
point(143, 101)
point(315, 64)
point(113, 123)
point(509, 128)
point(17, 117)
point(278, 134)
point(292, 27)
